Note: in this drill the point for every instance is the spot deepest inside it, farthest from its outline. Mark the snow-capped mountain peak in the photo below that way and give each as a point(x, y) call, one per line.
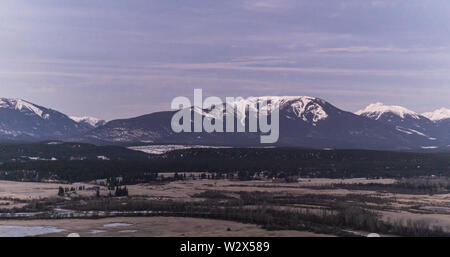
point(305, 107)
point(94, 122)
point(377, 110)
point(26, 121)
point(439, 114)
point(309, 109)
point(23, 106)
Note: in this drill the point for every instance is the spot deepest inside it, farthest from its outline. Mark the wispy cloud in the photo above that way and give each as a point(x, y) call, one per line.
point(125, 58)
point(388, 49)
point(268, 5)
point(264, 67)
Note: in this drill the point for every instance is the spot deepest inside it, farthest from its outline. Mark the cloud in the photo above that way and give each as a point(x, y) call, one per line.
point(374, 49)
point(244, 66)
point(267, 5)
point(77, 51)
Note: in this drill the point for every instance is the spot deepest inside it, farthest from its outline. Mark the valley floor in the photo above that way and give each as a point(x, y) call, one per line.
point(151, 227)
point(306, 196)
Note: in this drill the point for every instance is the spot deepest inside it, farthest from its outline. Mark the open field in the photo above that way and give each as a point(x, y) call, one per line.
point(34, 190)
point(183, 190)
point(434, 209)
point(308, 197)
point(154, 227)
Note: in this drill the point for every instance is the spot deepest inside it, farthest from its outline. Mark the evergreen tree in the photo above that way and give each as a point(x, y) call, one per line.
point(61, 191)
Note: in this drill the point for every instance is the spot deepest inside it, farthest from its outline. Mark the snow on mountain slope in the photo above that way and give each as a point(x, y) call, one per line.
point(377, 110)
point(306, 111)
point(409, 122)
point(438, 115)
point(309, 109)
point(22, 106)
point(21, 120)
point(94, 122)
point(304, 121)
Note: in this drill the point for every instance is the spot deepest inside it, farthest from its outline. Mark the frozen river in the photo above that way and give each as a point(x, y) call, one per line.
point(23, 231)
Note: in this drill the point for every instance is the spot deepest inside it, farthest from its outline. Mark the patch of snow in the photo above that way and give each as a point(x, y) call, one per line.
point(94, 122)
point(418, 133)
point(404, 131)
point(54, 143)
point(429, 147)
point(118, 224)
point(307, 105)
point(20, 105)
point(439, 114)
point(412, 131)
point(375, 111)
point(128, 231)
point(95, 231)
point(41, 159)
point(162, 149)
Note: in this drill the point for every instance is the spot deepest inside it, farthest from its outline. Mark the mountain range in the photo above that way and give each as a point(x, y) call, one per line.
point(22, 121)
point(304, 122)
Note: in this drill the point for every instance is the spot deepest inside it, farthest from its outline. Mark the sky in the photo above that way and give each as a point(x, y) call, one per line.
point(118, 59)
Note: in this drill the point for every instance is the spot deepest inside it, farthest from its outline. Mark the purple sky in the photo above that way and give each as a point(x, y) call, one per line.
point(116, 59)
